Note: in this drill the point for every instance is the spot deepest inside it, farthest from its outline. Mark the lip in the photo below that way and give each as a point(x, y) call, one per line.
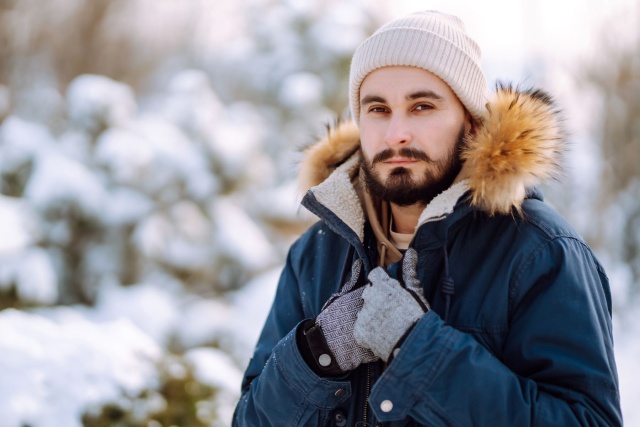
point(400, 161)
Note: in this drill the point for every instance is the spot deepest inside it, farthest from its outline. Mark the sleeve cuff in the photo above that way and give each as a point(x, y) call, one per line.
point(396, 348)
point(315, 350)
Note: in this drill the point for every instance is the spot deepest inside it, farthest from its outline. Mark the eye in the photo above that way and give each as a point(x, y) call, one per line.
point(424, 107)
point(377, 110)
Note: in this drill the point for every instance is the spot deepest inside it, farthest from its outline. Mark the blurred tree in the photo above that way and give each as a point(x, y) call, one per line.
point(65, 38)
point(617, 198)
point(293, 62)
point(162, 188)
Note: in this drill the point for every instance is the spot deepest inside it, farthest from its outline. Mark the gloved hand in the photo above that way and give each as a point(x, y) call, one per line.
point(390, 308)
point(335, 324)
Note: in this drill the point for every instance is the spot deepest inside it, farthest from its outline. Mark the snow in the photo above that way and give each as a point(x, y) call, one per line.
point(154, 156)
point(191, 103)
point(231, 135)
point(114, 348)
point(18, 225)
point(251, 305)
point(236, 140)
point(126, 206)
point(152, 309)
point(58, 181)
point(281, 203)
point(76, 145)
point(238, 237)
point(20, 141)
point(300, 90)
point(234, 322)
point(204, 321)
point(216, 369)
point(341, 29)
point(626, 333)
point(180, 236)
point(54, 371)
point(95, 101)
point(36, 277)
point(29, 269)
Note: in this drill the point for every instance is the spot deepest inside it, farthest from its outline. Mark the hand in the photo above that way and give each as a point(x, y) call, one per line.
point(336, 322)
point(390, 309)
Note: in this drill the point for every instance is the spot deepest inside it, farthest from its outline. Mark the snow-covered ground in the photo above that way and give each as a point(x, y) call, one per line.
point(59, 363)
point(56, 370)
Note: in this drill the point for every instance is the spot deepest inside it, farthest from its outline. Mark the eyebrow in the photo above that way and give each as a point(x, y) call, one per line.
point(424, 94)
point(370, 99)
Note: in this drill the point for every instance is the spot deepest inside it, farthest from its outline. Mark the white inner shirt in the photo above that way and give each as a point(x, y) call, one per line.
point(399, 240)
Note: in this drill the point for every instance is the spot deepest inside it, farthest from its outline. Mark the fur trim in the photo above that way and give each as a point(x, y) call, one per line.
point(519, 144)
point(322, 158)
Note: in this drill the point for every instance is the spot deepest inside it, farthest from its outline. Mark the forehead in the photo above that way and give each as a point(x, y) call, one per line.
point(403, 80)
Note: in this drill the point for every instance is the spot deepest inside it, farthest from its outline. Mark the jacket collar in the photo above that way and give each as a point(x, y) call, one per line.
point(338, 194)
point(519, 144)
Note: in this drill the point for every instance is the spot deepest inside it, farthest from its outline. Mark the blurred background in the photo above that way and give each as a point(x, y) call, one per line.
point(148, 154)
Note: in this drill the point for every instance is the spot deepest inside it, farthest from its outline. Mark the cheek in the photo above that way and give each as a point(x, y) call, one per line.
point(439, 139)
point(369, 140)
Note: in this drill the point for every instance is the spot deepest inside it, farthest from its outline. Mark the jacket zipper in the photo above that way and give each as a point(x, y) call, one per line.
point(366, 397)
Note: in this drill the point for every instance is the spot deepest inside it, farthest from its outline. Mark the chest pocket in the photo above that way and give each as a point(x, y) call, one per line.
point(441, 279)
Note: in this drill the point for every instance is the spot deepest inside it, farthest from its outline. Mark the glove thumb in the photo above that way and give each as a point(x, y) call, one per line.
point(356, 268)
point(410, 276)
point(378, 275)
point(409, 268)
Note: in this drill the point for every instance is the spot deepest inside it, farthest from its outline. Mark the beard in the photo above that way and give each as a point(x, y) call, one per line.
point(401, 187)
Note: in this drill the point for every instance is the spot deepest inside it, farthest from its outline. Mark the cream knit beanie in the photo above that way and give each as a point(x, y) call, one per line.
point(431, 40)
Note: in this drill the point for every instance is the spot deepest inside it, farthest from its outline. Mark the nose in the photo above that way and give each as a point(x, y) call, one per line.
point(398, 132)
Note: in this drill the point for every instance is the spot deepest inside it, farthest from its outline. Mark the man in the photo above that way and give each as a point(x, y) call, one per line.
point(438, 288)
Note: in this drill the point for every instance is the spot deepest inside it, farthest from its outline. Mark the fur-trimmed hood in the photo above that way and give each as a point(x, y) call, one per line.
point(519, 144)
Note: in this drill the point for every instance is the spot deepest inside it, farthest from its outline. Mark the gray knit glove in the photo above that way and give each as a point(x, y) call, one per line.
point(336, 322)
point(390, 308)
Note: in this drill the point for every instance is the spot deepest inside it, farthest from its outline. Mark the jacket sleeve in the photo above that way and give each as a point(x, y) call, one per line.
point(557, 367)
point(279, 388)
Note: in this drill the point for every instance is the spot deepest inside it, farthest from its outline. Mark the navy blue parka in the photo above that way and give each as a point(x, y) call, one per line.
point(518, 334)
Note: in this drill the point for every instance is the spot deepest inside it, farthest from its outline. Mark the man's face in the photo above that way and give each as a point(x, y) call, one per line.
point(412, 128)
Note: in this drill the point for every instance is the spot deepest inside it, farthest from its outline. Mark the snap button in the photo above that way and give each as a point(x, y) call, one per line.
point(324, 360)
point(339, 392)
point(339, 418)
point(386, 406)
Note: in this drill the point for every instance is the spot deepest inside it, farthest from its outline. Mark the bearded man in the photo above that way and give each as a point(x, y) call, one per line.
point(437, 289)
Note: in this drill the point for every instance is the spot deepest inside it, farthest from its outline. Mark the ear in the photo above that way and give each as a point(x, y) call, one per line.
point(470, 125)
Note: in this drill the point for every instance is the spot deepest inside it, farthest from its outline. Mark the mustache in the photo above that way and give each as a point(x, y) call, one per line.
point(406, 152)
